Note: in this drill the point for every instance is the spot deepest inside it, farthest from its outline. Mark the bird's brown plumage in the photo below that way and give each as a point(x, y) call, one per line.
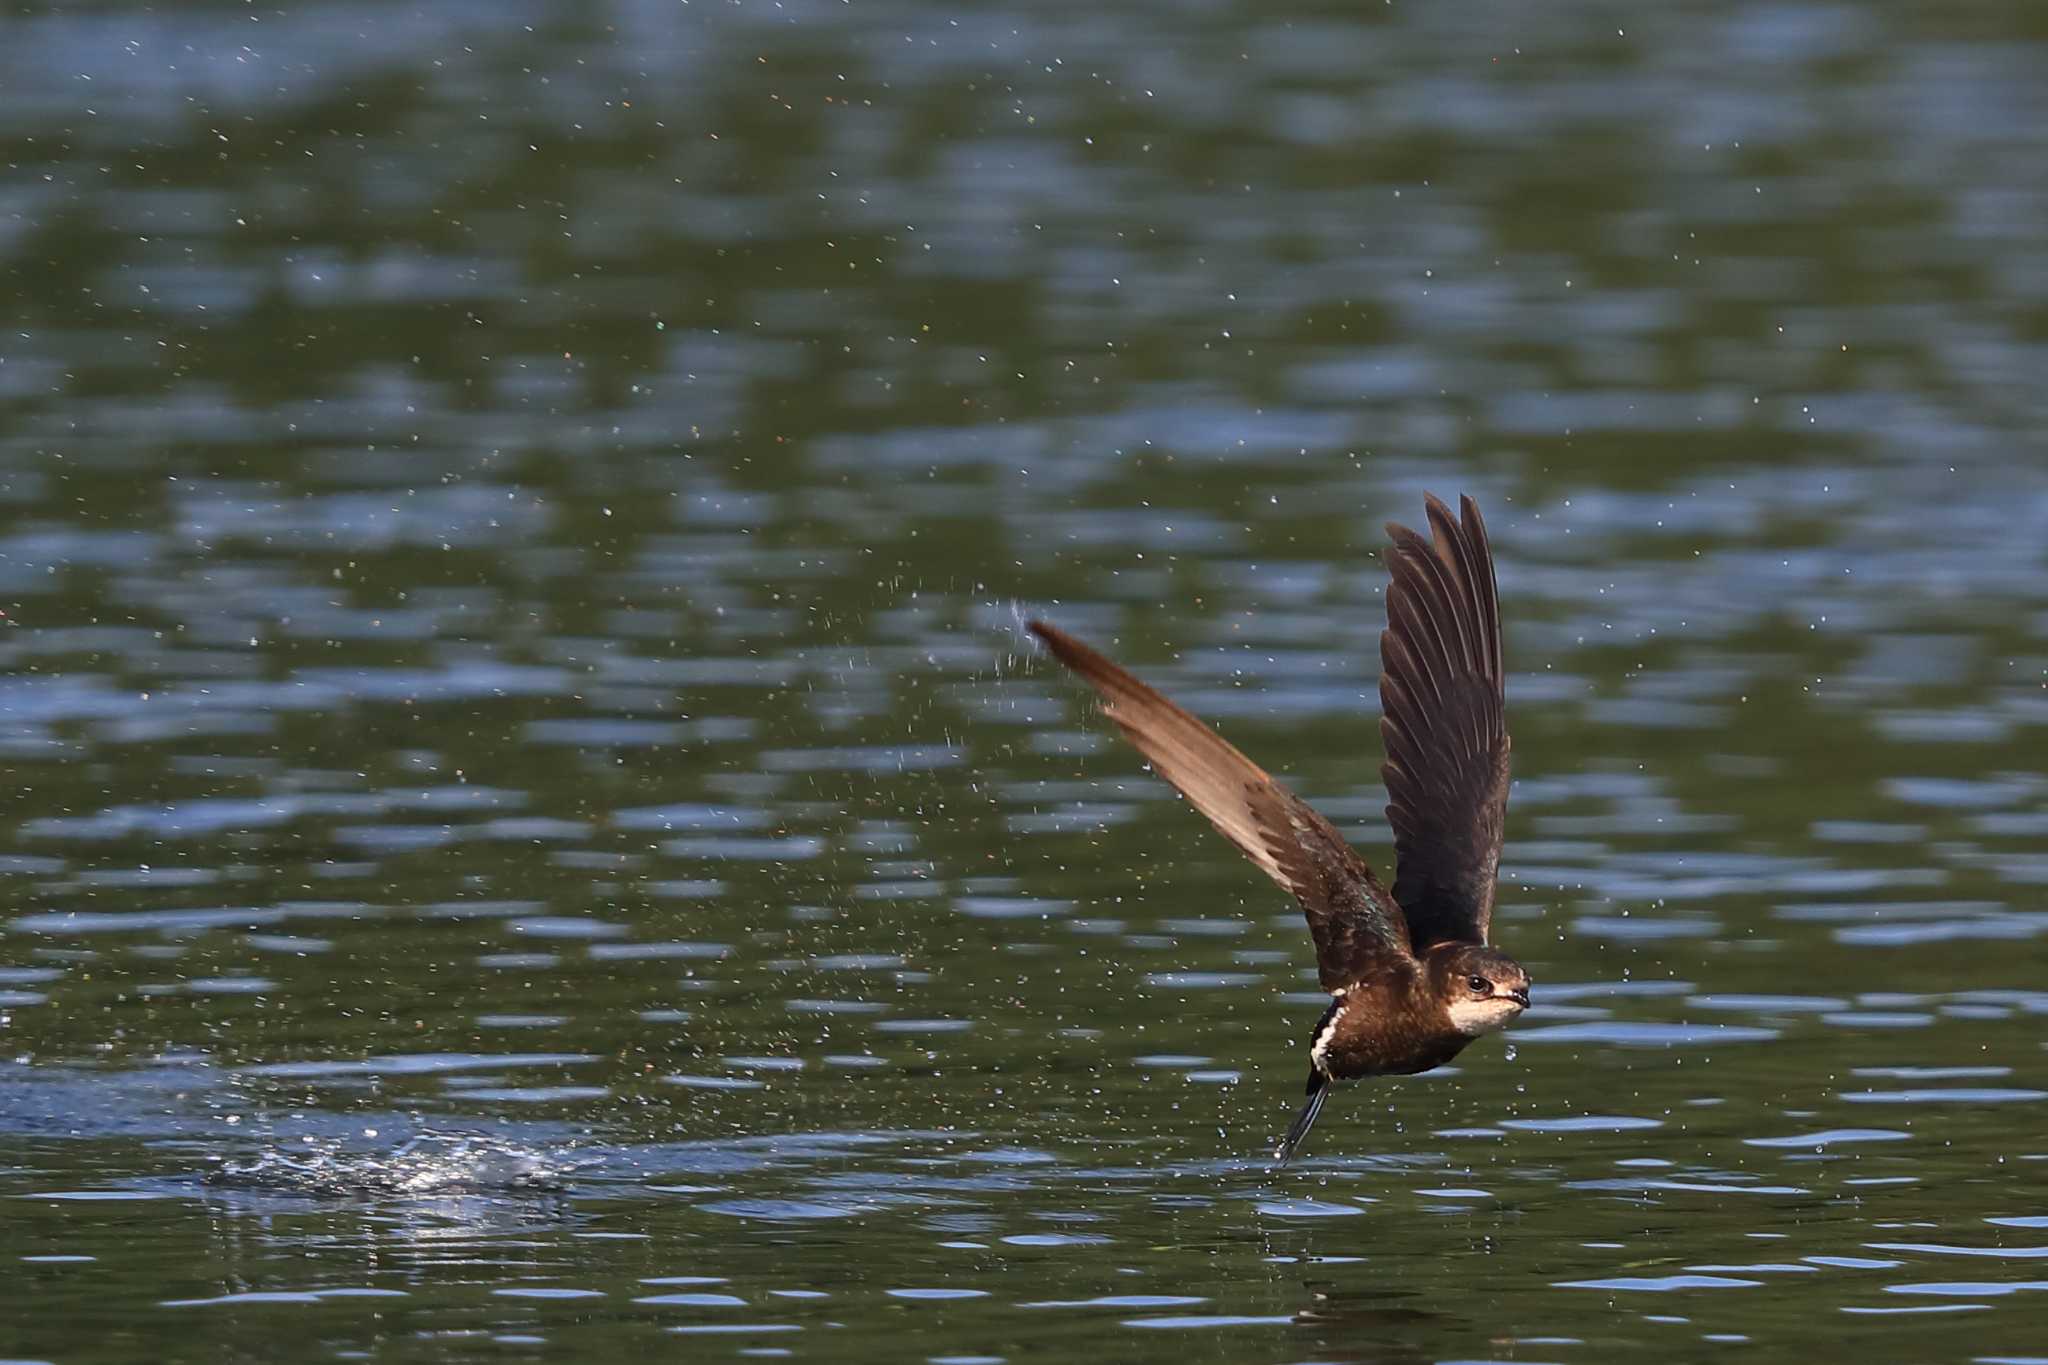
point(1350, 916)
point(1414, 977)
point(1443, 721)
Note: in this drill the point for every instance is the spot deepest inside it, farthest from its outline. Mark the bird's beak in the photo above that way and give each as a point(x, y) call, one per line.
point(1520, 998)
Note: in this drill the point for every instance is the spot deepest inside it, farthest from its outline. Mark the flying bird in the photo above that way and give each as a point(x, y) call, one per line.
point(1411, 974)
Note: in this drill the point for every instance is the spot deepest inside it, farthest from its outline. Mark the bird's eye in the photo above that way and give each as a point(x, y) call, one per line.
point(1479, 984)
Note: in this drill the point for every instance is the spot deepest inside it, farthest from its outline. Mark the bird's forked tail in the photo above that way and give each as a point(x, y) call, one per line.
point(1318, 1091)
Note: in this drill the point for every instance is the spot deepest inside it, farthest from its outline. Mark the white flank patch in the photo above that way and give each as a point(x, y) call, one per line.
point(1321, 1045)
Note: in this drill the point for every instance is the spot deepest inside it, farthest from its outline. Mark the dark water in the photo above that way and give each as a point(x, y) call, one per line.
point(531, 832)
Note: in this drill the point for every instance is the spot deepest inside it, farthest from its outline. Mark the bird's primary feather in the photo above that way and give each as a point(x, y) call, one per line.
point(1355, 924)
point(1443, 721)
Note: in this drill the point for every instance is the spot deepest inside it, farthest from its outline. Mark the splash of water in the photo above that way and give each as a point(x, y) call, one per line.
point(429, 1164)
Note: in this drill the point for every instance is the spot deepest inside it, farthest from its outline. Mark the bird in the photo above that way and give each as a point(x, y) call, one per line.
point(1411, 972)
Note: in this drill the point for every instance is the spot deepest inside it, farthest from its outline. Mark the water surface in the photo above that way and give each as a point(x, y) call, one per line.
point(534, 831)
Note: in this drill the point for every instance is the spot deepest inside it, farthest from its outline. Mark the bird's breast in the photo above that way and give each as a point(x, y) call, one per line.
point(1386, 1034)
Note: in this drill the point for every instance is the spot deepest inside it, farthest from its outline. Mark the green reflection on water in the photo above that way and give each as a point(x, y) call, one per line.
point(515, 539)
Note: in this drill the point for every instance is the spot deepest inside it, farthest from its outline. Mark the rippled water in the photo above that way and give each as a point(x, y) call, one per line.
point(534, 827)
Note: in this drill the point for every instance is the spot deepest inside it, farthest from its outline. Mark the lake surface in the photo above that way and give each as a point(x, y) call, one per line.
point(533, 830)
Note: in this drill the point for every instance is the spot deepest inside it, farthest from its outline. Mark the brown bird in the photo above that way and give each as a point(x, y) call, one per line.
point(1411, 975)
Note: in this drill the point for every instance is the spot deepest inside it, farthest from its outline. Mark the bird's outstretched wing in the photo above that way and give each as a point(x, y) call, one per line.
point(1443, 719)
point(1355, 924)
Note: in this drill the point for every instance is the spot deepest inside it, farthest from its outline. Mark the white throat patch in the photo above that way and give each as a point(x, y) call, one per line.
point(1475, 1017)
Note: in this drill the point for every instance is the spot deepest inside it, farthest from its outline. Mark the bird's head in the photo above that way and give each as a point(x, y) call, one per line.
point(1482, 988)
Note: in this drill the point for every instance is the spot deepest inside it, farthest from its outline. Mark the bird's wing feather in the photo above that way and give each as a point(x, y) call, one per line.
point(1443, 719)
point(1354, 923)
